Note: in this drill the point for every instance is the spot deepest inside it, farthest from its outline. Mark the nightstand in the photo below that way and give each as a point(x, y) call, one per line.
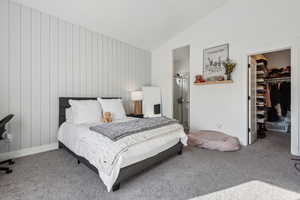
point(135, 115)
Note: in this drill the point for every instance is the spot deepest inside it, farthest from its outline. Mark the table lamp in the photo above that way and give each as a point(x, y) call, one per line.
point(137, 97)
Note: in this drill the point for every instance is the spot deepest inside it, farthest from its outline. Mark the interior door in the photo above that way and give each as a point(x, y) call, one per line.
point(252, 101)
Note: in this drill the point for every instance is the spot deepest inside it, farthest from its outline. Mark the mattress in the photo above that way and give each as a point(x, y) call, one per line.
point(99, 150)
point(72, 135)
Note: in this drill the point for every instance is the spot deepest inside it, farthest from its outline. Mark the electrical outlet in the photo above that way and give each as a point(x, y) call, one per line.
point(9, 137)
point(219, 125)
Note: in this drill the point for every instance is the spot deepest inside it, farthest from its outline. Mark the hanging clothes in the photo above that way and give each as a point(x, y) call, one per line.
point(285, 99)
point(273, 113)
point(275, 94)
point(280, 95)
point(268, 97)
point(278, 110)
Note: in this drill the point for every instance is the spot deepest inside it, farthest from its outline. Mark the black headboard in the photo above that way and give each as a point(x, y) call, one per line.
point(64, 104)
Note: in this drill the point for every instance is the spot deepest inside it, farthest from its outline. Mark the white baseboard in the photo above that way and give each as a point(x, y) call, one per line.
point(28, 151)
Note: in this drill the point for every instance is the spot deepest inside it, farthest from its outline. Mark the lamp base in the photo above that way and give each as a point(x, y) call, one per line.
point(137, 107)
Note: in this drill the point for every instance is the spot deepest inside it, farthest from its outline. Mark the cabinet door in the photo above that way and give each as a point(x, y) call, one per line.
point(252, 101)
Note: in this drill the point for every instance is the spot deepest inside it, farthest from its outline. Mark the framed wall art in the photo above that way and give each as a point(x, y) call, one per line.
point(213, 59)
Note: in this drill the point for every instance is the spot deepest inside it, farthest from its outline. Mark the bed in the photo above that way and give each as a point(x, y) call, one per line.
point(134, 160)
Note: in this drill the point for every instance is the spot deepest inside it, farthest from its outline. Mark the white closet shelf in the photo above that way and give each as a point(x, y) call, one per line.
point(260, 72)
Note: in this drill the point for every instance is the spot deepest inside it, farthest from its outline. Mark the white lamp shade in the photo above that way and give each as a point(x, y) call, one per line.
point(136, 95)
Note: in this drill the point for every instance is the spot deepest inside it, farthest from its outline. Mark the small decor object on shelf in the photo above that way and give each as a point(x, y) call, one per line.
point(229, 66)
point(199, 79)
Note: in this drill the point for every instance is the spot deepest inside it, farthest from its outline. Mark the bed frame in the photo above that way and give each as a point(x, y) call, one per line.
point(126, 172)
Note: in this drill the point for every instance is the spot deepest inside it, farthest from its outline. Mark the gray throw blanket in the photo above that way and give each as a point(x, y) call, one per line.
point(118, 130)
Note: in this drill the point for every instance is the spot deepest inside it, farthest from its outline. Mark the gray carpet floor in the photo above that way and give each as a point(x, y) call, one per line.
point(56, 175)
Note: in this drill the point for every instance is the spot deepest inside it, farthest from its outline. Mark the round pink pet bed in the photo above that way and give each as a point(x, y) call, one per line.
point(214, 140)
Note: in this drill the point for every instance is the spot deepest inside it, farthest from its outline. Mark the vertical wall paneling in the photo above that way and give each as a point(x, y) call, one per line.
point(121, 71)
point(14, 73)
point(4, 61)
point(36, 77)
point(105, 66)
point(82, 48)
point(45, 79)
point(54, 68)
point(95, 67)
point(123, 75)
point(62, 57)
point(88, 63)
point(26, 77)
point(111, 81)
point(113, 69)
point(76, 61)
point(100, 64)
point(126, 66)
point(129, 67)
point(118, 68)
point(140, 64)
point(108, 66)
point(137, 68)
point(69, 60)
point(146, 72)
point(43, 58)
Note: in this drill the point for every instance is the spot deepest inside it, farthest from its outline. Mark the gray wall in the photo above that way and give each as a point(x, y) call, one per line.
point(42, 58)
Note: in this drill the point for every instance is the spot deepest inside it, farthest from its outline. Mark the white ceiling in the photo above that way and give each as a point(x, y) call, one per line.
point(143, 23)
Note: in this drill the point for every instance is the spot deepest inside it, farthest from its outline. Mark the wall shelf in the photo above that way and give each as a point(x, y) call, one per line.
point(214, 82)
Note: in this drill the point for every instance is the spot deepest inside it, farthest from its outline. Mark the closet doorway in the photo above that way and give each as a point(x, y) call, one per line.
point(270, 97)
point(181, 86)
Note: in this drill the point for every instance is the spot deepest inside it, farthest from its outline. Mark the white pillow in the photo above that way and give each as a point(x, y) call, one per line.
point(69, 115)
point(85, 111)
point(114, 106)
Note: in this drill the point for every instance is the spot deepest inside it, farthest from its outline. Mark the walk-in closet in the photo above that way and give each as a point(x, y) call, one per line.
point(270, 97)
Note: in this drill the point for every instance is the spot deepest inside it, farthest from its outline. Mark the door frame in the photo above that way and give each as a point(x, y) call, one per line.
point(295, 74)
point(172, 72)
point(250, 128)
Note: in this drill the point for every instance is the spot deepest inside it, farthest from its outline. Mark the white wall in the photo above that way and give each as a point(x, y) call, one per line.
point(43, 58)
point(278, 59)
point(249, 26)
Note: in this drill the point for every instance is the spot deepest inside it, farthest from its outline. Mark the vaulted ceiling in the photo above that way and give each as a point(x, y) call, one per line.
point(143, 23)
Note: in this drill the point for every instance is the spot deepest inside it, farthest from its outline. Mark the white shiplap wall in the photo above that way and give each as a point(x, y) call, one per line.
point(42, 58)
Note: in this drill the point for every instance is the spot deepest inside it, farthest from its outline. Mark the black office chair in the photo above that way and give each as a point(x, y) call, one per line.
point(3, 123)
point(297, 164)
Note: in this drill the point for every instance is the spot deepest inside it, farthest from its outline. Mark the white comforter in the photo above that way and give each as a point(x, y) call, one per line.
point(107, 156)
